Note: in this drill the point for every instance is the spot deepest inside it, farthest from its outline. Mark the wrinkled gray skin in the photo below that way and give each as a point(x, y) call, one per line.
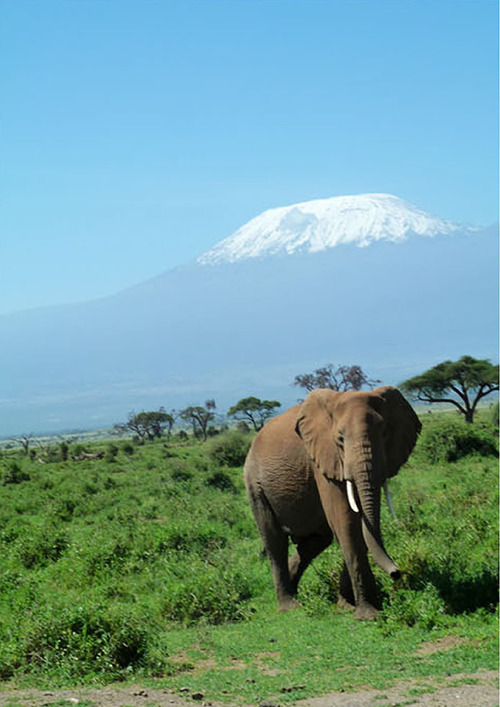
point(296, 473)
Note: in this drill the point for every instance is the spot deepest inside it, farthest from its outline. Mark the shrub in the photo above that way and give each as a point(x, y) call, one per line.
point(209, 595)
point(78, 449)
point(451, 439)
point(220, 480)
point(229, 449)
point(423, 608)
point(188, 539)
point(64, 449)
point(128, 448)
point(180, 470)
point(111, 453)
point(42, 549)
point(83, 639)
point(14, 474)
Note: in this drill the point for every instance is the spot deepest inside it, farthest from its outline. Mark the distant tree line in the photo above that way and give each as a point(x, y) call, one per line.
point(462, 383)
point(251, 412)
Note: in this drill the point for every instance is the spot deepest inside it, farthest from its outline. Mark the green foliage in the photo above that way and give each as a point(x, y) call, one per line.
point(111, 452)
point(208, 595)
point(128, 448)
point(450, 439)
point(220, 480)
point(147, 425)
point(423, 608)
point(45, 547)
point(462, 383)
point(255, 410)
point(229, 448)
point(14, 474)
point(80, 640)
point(199, 417)
point(152, 564)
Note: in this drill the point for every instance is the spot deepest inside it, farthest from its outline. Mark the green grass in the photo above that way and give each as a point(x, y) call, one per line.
point(146, 566)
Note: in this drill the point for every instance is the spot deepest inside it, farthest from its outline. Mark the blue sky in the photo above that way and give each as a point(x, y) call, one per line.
point(135, 134)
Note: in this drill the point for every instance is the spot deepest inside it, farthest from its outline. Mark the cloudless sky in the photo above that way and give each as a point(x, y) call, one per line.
point(135, 134)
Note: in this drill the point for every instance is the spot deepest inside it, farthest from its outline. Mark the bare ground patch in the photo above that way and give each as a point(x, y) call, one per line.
point(478, 690)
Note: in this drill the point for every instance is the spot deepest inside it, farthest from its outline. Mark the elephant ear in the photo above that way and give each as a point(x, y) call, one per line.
point(403, 428)
point(315, 426)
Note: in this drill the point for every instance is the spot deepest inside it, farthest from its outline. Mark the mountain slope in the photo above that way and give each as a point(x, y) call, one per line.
point(248, 327)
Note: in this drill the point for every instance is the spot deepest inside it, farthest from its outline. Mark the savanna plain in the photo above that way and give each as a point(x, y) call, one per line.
point(143, 570)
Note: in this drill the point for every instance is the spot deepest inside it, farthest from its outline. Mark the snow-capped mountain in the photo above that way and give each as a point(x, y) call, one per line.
point(239, 323)
point(313, 226)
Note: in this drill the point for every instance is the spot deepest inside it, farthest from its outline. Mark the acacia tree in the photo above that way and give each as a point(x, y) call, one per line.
point(199, 417)
point(147, 425)
point(462, 383)
point(341, 378)
point(253, 409)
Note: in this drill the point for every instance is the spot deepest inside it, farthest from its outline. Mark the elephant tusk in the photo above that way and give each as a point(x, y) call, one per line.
point(388, 498)
point(350, 497)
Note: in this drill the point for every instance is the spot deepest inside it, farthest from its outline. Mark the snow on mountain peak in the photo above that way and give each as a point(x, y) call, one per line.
point(312, 226)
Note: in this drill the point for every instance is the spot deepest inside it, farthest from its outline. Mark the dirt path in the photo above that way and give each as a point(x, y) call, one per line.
point(454, 692)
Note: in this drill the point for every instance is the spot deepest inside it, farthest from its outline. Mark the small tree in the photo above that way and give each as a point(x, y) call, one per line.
point(25, 441)
point(253, 409)
point(461, 383)
point(199, 417)
point(147, 425)
point(341, 378)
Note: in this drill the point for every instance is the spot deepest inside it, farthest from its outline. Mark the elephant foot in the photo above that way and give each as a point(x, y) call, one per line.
point(288, 604)
point(344, 604)
point(365, 612)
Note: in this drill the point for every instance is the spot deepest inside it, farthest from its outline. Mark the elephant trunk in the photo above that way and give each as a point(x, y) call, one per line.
point(369, 498)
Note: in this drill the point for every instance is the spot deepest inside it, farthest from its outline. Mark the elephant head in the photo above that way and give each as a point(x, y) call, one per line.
point(360, 439)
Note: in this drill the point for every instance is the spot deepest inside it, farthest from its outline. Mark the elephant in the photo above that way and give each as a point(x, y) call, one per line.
point(315, 472)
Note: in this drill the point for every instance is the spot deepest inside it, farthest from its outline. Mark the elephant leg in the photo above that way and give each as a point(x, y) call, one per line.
point(307, 549)
point(346, 594)
point(277, 551)
point(347, 527)
point(276, 546)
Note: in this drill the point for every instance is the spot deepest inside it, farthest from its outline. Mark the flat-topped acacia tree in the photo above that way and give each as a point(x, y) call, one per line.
point(255, 410)
point(461, 383)
point(199, 417)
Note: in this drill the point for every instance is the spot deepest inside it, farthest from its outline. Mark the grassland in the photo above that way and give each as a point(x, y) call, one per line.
point(146, 566)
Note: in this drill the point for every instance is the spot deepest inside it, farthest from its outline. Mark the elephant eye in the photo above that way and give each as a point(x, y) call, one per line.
point(340, 440)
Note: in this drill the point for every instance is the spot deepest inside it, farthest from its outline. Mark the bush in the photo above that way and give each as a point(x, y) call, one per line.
point(42, 549)
point(220, 480)
point(128, 448)
point(83, 639)
point(14, 474)
point(111, 453)
point(185, 538)
point(451, 439)
point(180, 471)
point(423, 608)
point(209, 594)
point(229, 449)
